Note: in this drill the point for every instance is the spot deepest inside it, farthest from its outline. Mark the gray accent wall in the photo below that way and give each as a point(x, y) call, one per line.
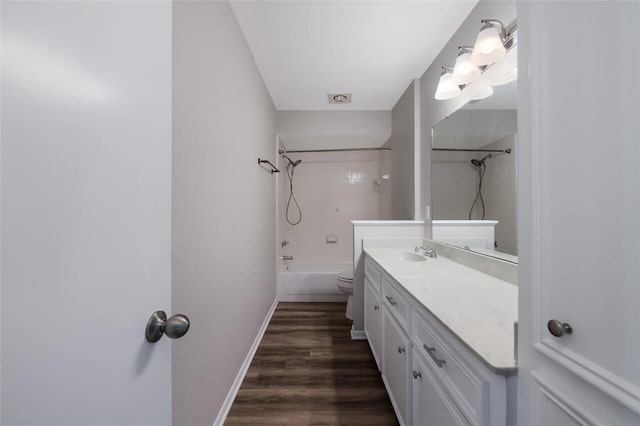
point(403, 155)
point(224, 237)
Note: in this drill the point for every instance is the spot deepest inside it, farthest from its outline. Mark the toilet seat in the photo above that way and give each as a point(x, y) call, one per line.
point(346, 277)
point(345, 284)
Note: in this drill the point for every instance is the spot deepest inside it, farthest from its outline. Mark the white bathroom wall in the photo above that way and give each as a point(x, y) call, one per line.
point(384, 188)
point(403, 155)
point(332, 189)
point(333, 129)
point(499, 191)
point(434, 111)
point(224, 255)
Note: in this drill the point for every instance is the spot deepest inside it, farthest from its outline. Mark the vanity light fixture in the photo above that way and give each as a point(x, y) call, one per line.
point(489, 45)
point(464, 72)
point(447, 89)
point(507, 78)
point(484, 94)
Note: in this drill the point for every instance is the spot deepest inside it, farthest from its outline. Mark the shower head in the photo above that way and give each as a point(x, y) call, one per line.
point(480, 163)
point(291, 162)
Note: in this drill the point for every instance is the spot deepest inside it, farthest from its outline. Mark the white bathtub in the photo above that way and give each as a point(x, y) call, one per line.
point(311, 282)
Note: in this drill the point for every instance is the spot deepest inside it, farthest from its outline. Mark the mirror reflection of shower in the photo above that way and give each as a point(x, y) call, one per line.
point(290, 170)
point(482, 168)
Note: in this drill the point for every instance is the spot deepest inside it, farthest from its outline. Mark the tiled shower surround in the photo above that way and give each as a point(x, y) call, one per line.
point(332, 189)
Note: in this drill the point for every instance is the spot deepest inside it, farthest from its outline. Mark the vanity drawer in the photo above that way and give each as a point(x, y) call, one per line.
point(372, 273)
point(396, 301)
point(464, 385)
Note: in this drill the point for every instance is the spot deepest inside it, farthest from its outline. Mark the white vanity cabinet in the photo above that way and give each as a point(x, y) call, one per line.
point(373, 311)
point(395, 366)
point(432, 405)
point(431, 376)
point(372, 320)
point(476, 394)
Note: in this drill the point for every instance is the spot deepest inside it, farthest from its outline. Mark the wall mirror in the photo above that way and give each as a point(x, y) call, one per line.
point(473, 174)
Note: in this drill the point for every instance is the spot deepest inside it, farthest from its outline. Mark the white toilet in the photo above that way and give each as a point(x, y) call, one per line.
point(345, 284)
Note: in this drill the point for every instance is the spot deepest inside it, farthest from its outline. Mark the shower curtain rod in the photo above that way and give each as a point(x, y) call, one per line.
point(334, 150)
point(505, 151)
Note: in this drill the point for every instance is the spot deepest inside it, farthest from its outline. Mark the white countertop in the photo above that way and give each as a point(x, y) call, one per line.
point(479, 309)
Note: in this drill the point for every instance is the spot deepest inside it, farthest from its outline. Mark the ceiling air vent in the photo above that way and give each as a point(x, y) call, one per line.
point(339, 98)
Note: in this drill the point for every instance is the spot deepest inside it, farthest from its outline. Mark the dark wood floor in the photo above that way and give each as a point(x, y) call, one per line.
point(307, 371)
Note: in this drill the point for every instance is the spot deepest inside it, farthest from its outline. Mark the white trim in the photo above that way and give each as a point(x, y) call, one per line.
point(417, 164)
point(235, 387)
point(614, 386)
point(577, 412)
point(358, 334)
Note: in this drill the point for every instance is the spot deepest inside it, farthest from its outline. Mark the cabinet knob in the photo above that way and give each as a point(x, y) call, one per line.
point(376, 307)
point(416, 374)
point(558, 329)
point(400, 349)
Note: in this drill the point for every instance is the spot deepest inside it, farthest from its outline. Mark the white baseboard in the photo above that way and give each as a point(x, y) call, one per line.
point(358, 334)
point(312, 297)
point(235, 387)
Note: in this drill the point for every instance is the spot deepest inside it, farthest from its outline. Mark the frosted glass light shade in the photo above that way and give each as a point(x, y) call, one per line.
point(488, 47)
point(464, 72)
point(447, 89)
point(484, 94)
point(507, 78)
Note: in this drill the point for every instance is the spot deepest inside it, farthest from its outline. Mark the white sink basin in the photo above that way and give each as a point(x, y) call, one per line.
point(412, 257)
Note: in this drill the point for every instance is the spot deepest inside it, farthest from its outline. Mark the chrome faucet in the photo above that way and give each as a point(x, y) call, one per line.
point(429, 252)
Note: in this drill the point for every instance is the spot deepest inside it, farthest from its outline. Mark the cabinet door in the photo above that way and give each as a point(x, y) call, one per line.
point(372, 325)
point(579, 204)
point(431, 404)
point(395, 369)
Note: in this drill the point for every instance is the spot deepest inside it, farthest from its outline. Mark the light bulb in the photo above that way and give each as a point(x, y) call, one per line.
point(464, 72)
point(447, 89)
point(488, 47)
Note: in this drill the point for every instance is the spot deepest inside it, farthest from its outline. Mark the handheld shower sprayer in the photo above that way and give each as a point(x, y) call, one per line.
point(291, 162)
point(482, 167)
point(290, 170)
point(480, 163)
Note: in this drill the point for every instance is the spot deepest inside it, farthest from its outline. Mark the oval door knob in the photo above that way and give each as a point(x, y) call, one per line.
point(400, 349)
point(558, 329)
point(416, 374)
point(376, 307)
point(174, 327)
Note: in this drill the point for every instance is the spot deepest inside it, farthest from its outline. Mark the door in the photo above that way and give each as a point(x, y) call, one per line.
point(579, 185)
point(86, 202)
point(372, 322)
point(432, 406)
point(395, 366)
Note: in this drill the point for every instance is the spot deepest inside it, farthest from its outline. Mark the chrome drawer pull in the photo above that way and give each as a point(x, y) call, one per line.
point(390, 299)
point(432, 354)
point(400, 349)
point(416, 374)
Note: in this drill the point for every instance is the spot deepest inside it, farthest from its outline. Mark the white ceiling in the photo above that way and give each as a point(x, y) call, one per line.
point(372, 49)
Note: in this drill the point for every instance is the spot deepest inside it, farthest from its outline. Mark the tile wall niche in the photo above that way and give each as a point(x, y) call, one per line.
point(332, 189)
